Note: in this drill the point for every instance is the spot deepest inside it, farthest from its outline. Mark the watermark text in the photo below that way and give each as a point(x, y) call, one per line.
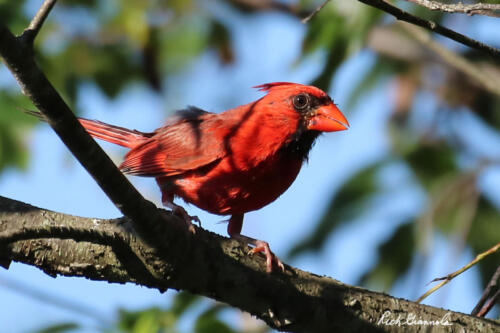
point(410, 319)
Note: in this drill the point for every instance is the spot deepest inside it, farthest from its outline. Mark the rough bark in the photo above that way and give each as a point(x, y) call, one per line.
point(210, 265)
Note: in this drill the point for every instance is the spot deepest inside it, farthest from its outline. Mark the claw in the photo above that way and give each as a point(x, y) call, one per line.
point(234, 231)
point(261, 246)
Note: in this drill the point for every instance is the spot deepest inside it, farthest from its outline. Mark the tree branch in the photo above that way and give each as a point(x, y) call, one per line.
point(294, 301)
point(487, 9)
point(386, 7)
point(484, 78)
point(489, 305)
point(29, 34)
point(488, 291)
point(432, 26)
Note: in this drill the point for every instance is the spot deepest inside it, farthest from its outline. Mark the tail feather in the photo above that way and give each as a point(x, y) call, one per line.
point(111, 133)
point(114, 134)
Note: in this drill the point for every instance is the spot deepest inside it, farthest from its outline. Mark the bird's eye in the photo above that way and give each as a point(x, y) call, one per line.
point(301, 102)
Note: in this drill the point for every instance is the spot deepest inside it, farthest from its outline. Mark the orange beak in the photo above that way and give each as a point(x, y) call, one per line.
point(328, 118)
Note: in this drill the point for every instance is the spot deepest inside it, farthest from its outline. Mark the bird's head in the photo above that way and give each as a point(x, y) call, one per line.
point(312, 106)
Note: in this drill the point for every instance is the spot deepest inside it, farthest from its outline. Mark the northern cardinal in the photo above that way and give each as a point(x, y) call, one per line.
point(232, 162)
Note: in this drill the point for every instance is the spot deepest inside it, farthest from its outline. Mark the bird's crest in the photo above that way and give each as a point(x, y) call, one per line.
point(268, 86)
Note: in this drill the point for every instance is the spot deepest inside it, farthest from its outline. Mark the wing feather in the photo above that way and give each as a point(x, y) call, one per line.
point(190, 140)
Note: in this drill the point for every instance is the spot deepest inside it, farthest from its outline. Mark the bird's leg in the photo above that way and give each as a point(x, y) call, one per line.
point(167, 199)
point(234, 229)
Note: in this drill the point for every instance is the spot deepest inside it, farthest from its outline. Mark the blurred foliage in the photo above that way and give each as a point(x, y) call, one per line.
point(430, 162)
point(167, 320)
point(116, 43)
point(14, 130)
point(484, 233)
point(394, 258)
point(9, 14)
point(338, 34)
point(128, 43)
point(154, 319)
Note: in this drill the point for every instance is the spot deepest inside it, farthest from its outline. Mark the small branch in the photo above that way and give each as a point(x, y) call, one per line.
point(451, 276)
point(432, 26)
point(487, 9)
point(485, 79)
point(314, 12)
point(384, 6)
point(490, 288)
point(29, 34)
point(488, 306)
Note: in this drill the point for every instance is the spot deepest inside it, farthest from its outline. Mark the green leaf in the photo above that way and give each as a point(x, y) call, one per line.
point(394, 258)
point(327, 32)
point(208, 322)
point(110, 66)
point(140, 321)
point(156, 319)
point(345, 205)
point(220, 39)
point(324, 30)
point(431, 161)
point(147, 322)
point(11, 15)
point(183, 41)
point(334, 58)
point(339, 34)
point(183, 301)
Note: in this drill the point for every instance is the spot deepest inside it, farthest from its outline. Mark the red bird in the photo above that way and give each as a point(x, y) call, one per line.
point(233, 162)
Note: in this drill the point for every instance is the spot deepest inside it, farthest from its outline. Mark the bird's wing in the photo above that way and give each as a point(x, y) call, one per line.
point(192, 139)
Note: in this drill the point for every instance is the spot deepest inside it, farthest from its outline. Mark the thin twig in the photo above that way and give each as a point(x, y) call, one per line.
point(449, 277)
point(488, 306)
point(495, 279)
point(314, 12)
point(487, 9)
point(29, 34)
point(432, 26)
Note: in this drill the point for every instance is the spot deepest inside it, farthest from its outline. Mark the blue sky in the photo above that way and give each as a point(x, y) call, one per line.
point(55, 181)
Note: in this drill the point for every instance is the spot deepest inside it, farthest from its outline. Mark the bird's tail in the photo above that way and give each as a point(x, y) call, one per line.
point(114, 134)
point(110, 133)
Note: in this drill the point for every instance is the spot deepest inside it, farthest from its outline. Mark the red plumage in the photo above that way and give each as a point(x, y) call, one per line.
point(233, 162)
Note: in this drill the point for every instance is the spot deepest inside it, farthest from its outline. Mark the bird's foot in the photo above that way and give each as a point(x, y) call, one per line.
point(271, 258)
point(181, 212)
point(234, 231)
